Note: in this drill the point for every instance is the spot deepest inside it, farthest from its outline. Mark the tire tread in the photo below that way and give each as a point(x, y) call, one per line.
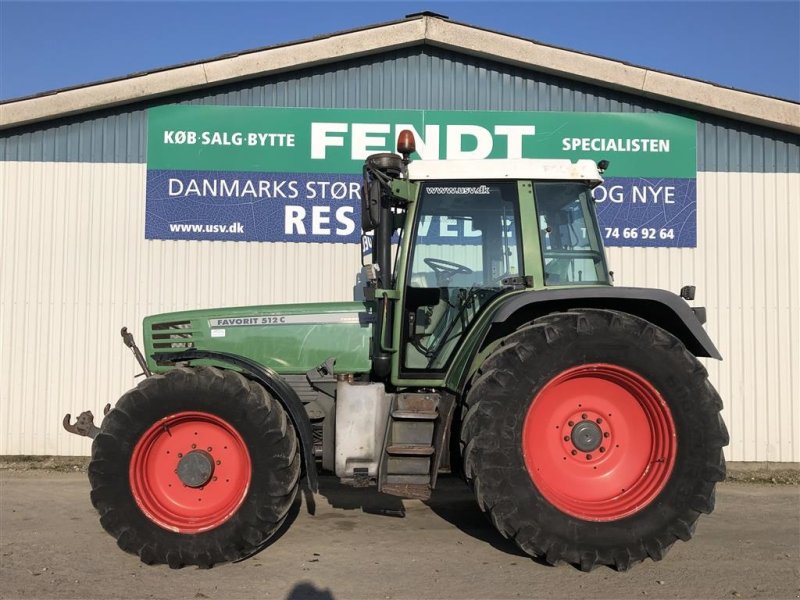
point(509, 361)
point(270, 495)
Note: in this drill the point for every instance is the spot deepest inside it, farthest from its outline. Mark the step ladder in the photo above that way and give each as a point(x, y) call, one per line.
point(413, 447)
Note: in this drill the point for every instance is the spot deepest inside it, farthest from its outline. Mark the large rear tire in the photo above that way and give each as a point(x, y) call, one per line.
point(195, 467)
point(593, 437)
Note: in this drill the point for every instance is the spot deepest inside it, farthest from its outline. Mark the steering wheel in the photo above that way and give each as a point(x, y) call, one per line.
point(445, 270)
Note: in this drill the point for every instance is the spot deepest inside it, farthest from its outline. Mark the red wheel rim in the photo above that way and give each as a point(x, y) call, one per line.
point(621, 473)
point(177, 441)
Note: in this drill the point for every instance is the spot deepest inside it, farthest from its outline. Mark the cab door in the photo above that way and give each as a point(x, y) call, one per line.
point(463, 244)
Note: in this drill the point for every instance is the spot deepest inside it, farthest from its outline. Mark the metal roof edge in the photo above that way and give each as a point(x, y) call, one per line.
point(699, 95)
point(418, 29)
point(205, 60)
point(618, 61)
point(224, 69)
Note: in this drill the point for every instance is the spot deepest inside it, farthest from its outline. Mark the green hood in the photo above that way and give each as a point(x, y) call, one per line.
point(289, 338)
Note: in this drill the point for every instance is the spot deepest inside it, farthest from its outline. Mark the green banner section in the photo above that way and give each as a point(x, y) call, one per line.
point(303, 140)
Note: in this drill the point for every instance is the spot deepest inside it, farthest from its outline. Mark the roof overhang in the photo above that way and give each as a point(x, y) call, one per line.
point(422, 29)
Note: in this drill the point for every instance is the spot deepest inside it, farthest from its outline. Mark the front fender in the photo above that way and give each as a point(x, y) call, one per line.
point(277, 387)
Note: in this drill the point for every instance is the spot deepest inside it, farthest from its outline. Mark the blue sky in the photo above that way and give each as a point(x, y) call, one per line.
point(48, 45)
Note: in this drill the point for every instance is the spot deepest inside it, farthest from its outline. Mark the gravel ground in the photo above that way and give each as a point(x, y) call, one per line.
point(357, 546)
point(780, 473)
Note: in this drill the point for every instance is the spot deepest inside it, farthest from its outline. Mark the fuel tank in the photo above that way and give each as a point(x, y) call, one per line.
point(289, 338)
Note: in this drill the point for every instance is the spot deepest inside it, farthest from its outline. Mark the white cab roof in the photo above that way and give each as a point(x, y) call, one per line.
point(518, 168)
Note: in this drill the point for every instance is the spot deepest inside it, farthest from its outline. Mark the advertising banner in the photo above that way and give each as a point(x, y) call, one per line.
point(294, 174)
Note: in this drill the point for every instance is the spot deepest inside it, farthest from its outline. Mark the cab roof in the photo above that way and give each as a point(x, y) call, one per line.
point(495, 168)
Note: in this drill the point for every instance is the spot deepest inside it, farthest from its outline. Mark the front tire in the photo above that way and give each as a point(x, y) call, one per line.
point(593, 437)
point(195, 467)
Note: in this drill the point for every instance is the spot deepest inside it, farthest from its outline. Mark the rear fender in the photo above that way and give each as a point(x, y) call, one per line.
point(660, 307)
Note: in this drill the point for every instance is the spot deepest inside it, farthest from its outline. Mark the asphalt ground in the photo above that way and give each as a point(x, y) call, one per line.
point(360, 544)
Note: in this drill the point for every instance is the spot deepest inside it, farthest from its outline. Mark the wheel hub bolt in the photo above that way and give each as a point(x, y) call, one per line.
point(586, 436)
point(195, 469)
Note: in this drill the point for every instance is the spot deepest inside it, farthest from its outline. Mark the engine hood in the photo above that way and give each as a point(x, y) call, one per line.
point(289, 338)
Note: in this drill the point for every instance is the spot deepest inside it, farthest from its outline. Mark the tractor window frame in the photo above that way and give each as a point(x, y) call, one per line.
point(569, 255)
point(512, 196)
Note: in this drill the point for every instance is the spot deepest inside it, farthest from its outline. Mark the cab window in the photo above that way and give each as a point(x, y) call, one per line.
point(466, 243)
point(568, 233)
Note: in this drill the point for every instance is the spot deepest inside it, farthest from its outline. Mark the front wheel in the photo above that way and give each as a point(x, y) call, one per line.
point(593, 437)
point(195, 467)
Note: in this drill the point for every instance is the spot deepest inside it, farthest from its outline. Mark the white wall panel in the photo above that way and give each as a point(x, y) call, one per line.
point(75, 267)
point(747, 271)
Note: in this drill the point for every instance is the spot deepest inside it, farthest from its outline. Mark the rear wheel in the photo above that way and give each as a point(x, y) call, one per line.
point(195, 467)
point(593, 437)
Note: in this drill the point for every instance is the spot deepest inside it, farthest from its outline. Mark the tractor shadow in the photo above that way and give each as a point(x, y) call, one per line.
point(453, 501)
point(346, 497)
point(291, 516)
point(338, 496)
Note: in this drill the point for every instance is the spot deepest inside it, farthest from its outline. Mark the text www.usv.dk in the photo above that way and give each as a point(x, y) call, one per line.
point(192, 228)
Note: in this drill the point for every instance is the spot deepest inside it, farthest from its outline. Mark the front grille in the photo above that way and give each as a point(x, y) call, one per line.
point(174, 335)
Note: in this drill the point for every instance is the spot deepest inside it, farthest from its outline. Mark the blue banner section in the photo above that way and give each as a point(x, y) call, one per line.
point(305, 207)
point(257, 207)
point(658, 213)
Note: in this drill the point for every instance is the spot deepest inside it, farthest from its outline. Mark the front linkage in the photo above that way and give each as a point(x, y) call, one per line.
point(84, 423)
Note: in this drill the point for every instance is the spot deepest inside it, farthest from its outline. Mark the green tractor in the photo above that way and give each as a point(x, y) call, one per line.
point(491, 344)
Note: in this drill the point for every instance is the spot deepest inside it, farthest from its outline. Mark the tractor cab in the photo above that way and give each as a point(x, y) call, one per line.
point(464, 233)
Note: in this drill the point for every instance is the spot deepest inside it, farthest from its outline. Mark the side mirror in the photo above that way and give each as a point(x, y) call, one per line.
point(370, 204)
point(379, 170)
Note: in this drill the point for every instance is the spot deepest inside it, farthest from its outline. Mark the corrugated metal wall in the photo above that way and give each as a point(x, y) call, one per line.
point(415, 78)
point(747, 271)
point(75, 265)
